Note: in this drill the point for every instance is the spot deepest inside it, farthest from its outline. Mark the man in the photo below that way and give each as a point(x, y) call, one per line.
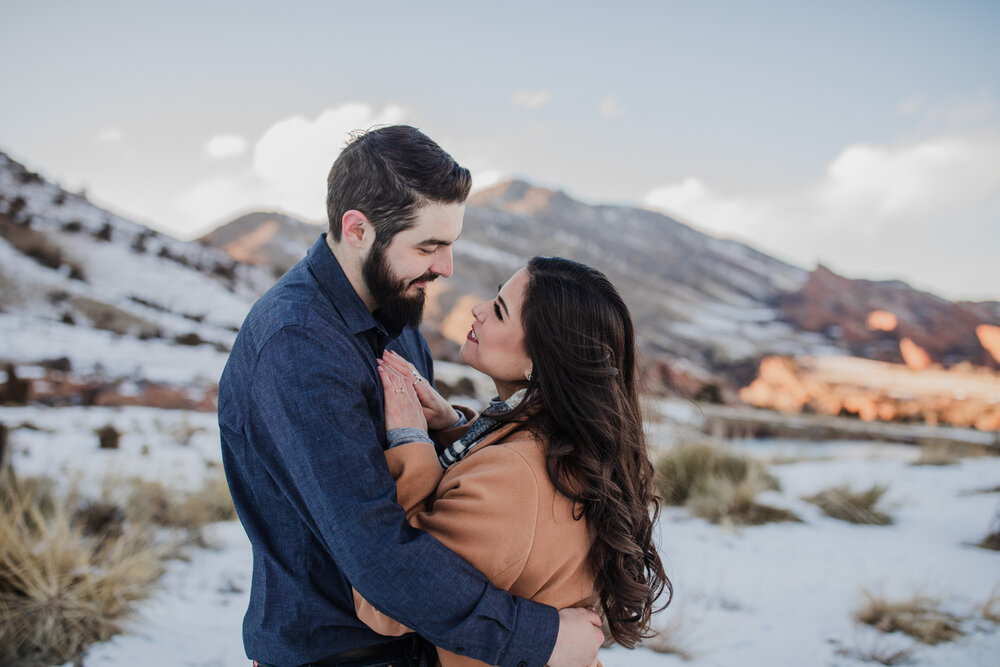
point(300, 416)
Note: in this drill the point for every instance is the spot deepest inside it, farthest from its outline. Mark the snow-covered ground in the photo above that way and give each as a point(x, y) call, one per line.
point(775, 595)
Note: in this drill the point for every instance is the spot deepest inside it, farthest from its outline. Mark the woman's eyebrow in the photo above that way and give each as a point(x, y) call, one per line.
point(500, 299)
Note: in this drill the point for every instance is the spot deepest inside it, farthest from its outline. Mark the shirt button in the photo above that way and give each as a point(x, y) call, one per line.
point(522, 664)
point(460, 650)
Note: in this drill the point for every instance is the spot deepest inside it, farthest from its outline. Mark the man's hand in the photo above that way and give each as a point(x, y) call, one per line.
point(579, 638)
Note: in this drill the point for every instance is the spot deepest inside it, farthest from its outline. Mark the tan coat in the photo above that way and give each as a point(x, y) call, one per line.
point(497, 509)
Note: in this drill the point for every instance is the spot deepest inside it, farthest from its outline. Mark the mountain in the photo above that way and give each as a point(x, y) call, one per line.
point(96, 302)
point(98, 309)
point(707, 310)
point(264, 238)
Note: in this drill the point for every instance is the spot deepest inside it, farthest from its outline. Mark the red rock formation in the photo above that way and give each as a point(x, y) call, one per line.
point(914, 356)
point(860, 314)
point(989, 338)
point(964, 395)
point(882, 320)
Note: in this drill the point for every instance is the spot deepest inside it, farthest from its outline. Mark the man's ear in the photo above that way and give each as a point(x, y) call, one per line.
point(355, 229)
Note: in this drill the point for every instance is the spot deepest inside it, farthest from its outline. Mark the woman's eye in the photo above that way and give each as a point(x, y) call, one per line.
point(496, 309)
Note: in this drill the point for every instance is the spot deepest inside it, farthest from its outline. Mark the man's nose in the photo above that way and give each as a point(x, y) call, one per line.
point(443, 263)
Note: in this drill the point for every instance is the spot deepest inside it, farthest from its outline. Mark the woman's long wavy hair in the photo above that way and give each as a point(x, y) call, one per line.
point(583, 400)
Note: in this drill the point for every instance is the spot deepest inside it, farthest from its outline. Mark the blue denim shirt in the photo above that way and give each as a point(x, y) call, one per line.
point(302, 427)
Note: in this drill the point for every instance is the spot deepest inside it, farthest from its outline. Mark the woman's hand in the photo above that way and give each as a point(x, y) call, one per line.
point(402, 407)
point(437, 411)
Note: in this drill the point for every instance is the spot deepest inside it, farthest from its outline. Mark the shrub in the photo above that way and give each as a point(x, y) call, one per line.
point(840, 502)
point(15, 390)
point(191, 339)
point(108, 437)
point(684, 467)
point(717, 485)
point(990, 610)
point(104, 233)
point(992, 539)
point(936, 454)
point(61, 589)
point(720, 499)
point(152, 503)
point(666, 639)
point(878, 651)
point(919, 617)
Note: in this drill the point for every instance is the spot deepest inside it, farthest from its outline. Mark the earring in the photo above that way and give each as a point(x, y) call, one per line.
point(530, 375)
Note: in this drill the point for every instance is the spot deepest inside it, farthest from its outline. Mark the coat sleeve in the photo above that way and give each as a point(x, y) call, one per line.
point(485, 511)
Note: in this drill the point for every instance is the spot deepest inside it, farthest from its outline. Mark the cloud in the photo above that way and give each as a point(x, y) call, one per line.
point(482, 180)
point(226, 145)
point(532, 99)
point(290, 163)
point(911, 105)
point(294, 155)
point(110, 135)
point(219, 198)
point(611, 107)
point(924, 211)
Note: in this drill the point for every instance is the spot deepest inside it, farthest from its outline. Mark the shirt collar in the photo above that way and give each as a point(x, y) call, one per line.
point(338, 289)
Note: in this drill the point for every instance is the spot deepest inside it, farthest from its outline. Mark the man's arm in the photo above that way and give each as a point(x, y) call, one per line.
point(313, 426)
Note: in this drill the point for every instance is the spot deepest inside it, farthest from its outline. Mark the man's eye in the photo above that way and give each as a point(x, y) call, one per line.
point(425, 251)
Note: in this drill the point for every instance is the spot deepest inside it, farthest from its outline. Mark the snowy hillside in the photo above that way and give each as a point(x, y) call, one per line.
point(112, 296)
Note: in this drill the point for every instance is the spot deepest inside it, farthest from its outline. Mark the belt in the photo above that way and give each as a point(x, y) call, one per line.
point(409, 652)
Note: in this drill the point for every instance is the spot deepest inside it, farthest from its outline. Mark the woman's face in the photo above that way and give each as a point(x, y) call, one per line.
point(495, 344)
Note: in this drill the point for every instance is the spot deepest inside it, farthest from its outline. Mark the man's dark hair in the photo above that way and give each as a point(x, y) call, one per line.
point(387, 174)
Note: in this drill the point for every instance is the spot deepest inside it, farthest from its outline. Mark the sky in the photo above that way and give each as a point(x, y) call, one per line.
point(864, 136)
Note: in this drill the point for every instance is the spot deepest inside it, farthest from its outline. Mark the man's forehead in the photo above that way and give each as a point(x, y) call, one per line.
point(438, 224)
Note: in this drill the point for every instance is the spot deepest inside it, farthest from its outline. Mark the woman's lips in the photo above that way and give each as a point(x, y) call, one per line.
point(472, 335)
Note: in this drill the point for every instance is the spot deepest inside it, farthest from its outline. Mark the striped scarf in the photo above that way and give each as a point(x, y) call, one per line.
point(480, 428)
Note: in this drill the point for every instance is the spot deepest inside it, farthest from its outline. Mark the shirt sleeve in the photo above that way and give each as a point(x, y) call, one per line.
point(312, 427)
point(485, 512)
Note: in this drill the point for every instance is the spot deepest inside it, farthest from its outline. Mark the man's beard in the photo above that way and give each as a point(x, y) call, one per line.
point(395, 309)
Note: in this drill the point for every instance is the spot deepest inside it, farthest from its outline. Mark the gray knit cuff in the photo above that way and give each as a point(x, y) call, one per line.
point(402, 436)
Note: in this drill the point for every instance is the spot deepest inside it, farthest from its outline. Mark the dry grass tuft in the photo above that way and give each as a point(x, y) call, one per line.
point(990, 610)
point(71, 569)
point(682, 468)
point(879, 652)
point(150, 503)
point(937, 454)
point(717, 485)
point(841, 502)
point(919, 617)
point(992, 539)
point(62, 589)
point(722, 500)
point(666, 639)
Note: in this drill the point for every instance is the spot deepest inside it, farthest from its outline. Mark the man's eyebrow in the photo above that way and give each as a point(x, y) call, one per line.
point(500, 299)
point(435, 242)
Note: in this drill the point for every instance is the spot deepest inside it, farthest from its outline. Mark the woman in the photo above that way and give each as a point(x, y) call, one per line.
point(549, 492)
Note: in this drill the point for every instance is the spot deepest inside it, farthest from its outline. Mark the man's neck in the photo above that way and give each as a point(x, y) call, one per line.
point(350, 264)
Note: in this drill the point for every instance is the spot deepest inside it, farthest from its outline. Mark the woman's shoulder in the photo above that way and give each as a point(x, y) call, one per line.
point(509, 451)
